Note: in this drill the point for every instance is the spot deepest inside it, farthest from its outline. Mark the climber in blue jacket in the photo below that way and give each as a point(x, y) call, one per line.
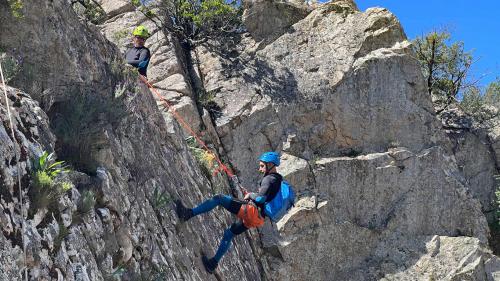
point(249, 211)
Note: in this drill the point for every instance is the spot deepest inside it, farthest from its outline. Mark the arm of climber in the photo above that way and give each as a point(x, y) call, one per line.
point(142, 61)
point(261, 196)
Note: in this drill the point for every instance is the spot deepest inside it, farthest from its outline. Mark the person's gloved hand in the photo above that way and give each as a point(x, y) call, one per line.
point(244, 190)
point(247, 196)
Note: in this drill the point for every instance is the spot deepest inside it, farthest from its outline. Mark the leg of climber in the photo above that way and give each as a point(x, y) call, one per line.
point(235, 229)
point(229, 203)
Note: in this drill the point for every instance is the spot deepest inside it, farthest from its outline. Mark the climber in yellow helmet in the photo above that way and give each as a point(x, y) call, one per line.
point(138, 56)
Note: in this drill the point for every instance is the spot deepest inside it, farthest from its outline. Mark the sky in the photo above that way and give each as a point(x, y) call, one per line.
point(476, 23)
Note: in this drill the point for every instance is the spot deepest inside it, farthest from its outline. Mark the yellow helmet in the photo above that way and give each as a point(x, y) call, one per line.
point(141, 31)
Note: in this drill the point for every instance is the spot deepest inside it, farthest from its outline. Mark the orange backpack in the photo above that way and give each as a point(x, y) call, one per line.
point(250, 215)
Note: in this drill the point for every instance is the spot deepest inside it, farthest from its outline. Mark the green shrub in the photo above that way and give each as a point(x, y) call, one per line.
point(10, 66)
point(121, 34)
point(160, 199)
point(206, 160)
point(482, 104)
point(90, 9)
point(445, 65)
point(46, 186)
point(47, 164)
point(87, 202)
point(63, 233)
point(16, 7)
point(194, 21)
point(120, 270)
point(43, 180)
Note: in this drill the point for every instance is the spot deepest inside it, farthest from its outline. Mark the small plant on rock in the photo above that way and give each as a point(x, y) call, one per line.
point(46, 186)
point(119, 271)
point(121, 34)
point(16, 7)
point(90, 10)
point(160, 199)
point(63, 233)
point(85, 205)
point(205, 159)
point(10, 66)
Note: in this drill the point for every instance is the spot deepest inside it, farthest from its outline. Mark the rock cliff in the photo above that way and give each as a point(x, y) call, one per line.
point(383, 194)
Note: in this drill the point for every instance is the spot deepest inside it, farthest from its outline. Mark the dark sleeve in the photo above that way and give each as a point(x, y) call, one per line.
point(143, 59)
point(265, 184)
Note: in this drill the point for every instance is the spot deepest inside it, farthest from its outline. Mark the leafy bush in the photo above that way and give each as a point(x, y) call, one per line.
point(205, 159)
point(42, 180)
point(87, 202)
point(47, 164)
point(85, 205)
point(63, 233)
point(160, 199)
point(121, 34)
point(46, 187)
point(194, 21)
point(90, 10)
point(482, 104)
point(10, 66)
point(209, 14)
point(445, 65)
point(16, 7)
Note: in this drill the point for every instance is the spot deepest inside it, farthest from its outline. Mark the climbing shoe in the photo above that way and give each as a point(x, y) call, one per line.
point(209, 264)
point(183, 213)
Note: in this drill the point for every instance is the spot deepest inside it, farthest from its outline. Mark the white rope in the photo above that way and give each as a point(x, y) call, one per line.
point(18, 173)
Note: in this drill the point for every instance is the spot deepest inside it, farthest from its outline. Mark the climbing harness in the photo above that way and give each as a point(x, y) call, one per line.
point(186, 126)
point(250, 215)
point(18, 173)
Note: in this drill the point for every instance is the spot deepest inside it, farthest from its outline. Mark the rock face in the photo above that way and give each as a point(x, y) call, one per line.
point(167, 70)
point(476, 157)
point(322, 90)
point(338, 84)
point(381, 196)
point(375, 200)
point(267, 19)
point(108, 128)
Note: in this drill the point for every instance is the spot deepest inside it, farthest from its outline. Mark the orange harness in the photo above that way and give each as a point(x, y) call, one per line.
point(250, 215)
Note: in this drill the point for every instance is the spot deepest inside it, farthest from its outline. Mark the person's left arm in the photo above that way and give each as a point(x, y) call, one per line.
point(144, 58)
point(260, 196)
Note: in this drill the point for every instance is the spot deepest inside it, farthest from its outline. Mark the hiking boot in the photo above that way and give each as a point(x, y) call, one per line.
point(210, 264)
point(183, 213)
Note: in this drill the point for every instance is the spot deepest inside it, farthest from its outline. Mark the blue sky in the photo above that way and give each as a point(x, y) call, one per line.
point(476, 23)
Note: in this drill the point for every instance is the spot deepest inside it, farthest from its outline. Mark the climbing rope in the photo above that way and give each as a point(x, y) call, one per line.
point(18, 173)
point(181, 120)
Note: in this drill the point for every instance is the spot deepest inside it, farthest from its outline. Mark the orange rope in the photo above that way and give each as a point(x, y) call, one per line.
point(187, 127)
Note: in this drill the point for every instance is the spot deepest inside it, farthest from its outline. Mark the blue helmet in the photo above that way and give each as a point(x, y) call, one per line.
point(270, 157)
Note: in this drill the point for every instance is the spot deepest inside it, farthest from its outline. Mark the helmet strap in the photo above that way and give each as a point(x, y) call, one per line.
point(267, 168)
